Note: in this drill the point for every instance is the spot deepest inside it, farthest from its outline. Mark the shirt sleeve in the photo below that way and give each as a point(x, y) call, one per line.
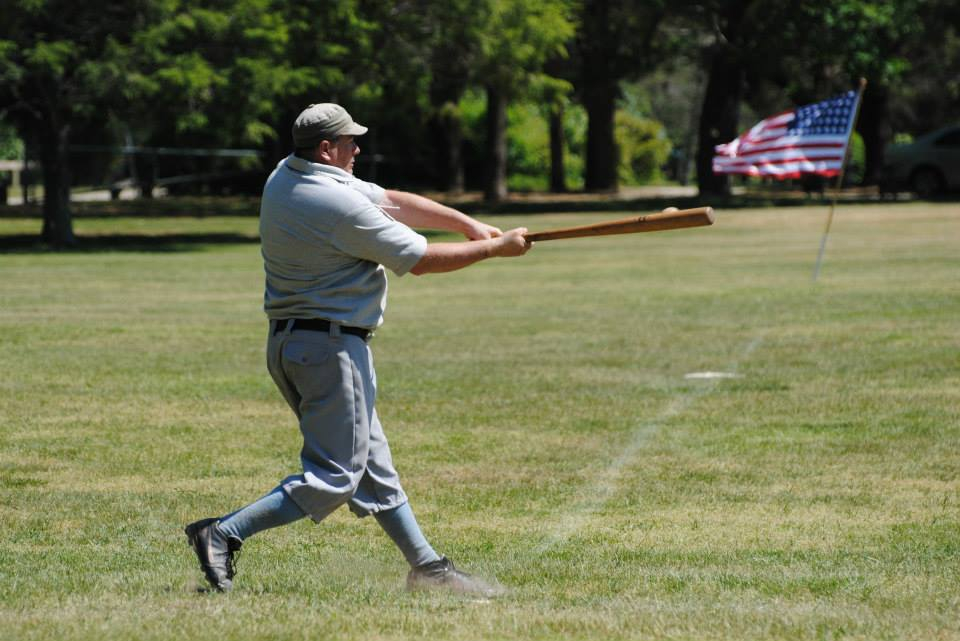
point(372, 191)
point(368, 233)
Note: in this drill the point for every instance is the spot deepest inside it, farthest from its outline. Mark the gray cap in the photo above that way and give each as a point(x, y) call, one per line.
point(324, 121)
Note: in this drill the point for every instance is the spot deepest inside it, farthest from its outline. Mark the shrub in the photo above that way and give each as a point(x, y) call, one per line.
point(856, 162)
point(11, 147)
point(644, 148)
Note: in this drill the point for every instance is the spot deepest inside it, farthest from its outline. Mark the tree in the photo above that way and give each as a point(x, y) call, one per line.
point(329, 55)
point(932, 95)
point(518, 40)
point(168, 73)
point(60, 63)
point(615, 41)
point(831, 45)
point(871, 39)
point(237, 72)
point(554, 103)
point(424, 54)
point(454, 36)
point(726, 67)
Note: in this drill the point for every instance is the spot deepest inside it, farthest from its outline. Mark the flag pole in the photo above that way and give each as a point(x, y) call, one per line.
point(836, 191)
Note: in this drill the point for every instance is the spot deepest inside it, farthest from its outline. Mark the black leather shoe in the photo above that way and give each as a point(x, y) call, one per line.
point(441, 574)
point(215, 551)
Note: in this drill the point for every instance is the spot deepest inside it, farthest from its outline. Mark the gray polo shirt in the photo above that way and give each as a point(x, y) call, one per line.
point(325, 243)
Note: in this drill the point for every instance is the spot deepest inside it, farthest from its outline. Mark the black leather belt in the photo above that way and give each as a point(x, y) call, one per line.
point(319, 325)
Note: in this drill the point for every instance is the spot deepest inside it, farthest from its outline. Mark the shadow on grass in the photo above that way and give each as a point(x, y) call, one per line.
point(174, 207)
point(147, 243)
point(160, 243)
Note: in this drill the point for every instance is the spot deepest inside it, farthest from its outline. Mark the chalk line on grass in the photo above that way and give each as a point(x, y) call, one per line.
point(606, 483)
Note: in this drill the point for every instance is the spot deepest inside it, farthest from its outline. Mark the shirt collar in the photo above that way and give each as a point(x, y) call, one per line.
point(318, 169)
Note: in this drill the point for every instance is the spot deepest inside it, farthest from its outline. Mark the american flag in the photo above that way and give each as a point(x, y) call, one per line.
point(807, 140)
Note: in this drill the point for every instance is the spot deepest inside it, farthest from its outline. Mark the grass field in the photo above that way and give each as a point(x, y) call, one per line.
point(540, 416)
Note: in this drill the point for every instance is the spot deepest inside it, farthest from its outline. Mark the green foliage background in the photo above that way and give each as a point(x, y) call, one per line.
point(855, 160)
point(11, 146)
point(234, 73)
point(644, 148)
point(643, 144)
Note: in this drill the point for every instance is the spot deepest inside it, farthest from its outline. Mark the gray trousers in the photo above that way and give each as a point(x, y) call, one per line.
point(329, 381)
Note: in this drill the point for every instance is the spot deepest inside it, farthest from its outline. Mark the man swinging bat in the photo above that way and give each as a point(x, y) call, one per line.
point(326, 239)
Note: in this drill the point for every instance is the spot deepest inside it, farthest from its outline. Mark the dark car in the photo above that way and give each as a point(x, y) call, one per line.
point(930, 165)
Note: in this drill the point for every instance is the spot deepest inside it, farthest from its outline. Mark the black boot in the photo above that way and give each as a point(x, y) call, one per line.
point(215, 551)
point(443, 575)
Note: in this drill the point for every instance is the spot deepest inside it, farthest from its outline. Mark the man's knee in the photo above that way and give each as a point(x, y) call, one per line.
point(346, 486)
point(376, 494)
point(319, 494)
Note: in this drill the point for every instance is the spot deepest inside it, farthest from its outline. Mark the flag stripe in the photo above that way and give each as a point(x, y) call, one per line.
point(782, 144)
point(793, 170)
point(787, 154)
point(781, 166)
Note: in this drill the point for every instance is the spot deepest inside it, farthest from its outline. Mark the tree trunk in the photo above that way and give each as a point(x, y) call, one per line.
point(602, 153)
point(558, 178)
point(449, 135)
point(601, 70)
point(57, 217)
point(495, 184)
point(718, 118)
point(870, 126)
point(146, 173)
point(27, 178)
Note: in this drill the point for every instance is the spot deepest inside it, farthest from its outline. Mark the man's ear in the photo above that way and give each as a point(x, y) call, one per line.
point(322, 151)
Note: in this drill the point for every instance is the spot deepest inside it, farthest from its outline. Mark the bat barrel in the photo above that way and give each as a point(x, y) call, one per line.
point(668, 219)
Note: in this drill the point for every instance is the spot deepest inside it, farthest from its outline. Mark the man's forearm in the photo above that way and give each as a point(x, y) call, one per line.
point(448, 257)
point(418, 211)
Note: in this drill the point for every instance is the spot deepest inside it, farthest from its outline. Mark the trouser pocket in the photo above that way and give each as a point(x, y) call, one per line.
point(333, 418)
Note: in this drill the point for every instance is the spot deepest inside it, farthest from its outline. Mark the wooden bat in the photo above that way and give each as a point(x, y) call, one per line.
point(669, 218)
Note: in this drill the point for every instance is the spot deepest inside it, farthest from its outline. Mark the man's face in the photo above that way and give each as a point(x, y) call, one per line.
point(340, 152)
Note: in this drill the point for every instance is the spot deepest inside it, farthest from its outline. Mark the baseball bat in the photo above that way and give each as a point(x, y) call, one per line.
point(666, 219)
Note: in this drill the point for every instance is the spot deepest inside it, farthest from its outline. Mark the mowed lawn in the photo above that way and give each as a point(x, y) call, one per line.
point(541, 418)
